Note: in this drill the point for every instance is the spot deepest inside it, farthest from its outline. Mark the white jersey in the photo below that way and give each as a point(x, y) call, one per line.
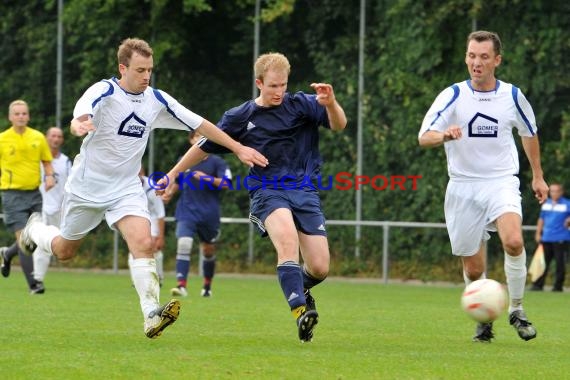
point(110, 157)
point(52, 199)
point(487, 148)
point(155, 206)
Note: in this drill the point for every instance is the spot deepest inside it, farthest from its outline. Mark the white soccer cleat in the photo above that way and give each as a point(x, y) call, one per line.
point(26, 244)
point(161, 318)
point(179, 291)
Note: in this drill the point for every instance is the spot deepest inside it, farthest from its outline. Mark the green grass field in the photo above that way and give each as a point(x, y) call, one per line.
point(89, 326)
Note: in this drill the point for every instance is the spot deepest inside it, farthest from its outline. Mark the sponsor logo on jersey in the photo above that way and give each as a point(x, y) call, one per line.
point(132, 126)
point(483, 126)
point(250, 125)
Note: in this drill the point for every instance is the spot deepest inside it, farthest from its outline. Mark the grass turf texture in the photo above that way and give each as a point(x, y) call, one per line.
point(89, 326)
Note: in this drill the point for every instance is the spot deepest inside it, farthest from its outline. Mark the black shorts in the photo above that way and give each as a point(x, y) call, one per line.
point(18, 205)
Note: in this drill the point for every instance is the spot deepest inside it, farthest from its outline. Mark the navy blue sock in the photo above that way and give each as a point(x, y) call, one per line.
point(291, 281)
point(209, 266)
point(208, 269)
point(182, 269)
point(308, 280)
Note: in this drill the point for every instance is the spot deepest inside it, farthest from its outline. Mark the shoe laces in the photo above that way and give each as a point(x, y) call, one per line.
point(518, 318)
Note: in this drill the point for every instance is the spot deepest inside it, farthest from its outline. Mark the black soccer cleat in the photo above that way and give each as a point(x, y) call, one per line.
point(310, 301)
point(520, 322)
point(306, 323)
point(37, 288)
point(6, 263)
point(484, 333)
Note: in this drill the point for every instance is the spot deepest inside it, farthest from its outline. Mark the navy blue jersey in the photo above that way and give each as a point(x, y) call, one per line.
point(286, 134)
point(198, 199)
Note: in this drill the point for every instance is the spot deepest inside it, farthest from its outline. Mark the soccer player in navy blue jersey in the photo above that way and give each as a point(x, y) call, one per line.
point(284, 206)
point(198, 214)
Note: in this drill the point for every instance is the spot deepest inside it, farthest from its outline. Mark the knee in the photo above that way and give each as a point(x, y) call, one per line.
point(319, 270)
point(513, 245)
point(208, 250)
point(142, 245)
point(65, 254)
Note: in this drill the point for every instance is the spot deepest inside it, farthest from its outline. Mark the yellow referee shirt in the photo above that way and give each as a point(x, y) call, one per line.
point(20, 159)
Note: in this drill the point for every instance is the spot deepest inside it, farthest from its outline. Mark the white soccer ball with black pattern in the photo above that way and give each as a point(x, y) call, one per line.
point(484, 300)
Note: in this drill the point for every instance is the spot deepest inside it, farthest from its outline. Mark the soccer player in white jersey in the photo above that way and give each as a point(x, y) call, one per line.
point(116, 117)
point(474, 120)
point(51, 209)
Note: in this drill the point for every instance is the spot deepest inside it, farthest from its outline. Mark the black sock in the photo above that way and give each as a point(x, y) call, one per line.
point(11, 251)
point(308, 280)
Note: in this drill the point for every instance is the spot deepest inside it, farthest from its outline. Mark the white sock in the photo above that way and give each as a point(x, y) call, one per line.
point(159, 258)
point(143, 273)
point(43, 235)
point(130, 262)
point(41, 264)
point(515, 271)
point(468, 281)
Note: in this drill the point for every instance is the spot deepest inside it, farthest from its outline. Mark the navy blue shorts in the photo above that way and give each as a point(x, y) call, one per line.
point(305, 205)
point(208, 231)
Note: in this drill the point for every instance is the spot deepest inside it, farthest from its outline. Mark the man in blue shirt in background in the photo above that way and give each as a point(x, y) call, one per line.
point(552, 232)
point(198, 214)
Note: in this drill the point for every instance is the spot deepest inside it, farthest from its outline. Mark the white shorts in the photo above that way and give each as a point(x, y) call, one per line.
point(79, 216)
point(471, 209)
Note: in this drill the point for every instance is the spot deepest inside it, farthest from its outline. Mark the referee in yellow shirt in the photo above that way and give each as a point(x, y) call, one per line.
point(22, 150)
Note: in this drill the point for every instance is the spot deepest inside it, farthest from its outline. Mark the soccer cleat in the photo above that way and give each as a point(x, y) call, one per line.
point(206, 293)
point(484, 333)
point(520, 322)
point(310, 301)
point(179, 291)
point(26, 243)
point(5, 269)
point(38, 288)
point(161, 318)
point(306, 323)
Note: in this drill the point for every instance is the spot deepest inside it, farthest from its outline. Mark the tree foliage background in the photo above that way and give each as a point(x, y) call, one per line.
point(204, 56)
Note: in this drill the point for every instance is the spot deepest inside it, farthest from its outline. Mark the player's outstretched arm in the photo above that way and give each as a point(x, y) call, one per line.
point(248, 156)
point(167, 186)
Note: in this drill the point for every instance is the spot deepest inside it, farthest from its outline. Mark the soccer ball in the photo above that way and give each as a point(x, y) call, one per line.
point(484, 300)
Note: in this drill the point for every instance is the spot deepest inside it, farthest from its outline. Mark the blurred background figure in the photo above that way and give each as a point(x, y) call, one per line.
point(198, 214)
point(51, 209)
point(22, 151)
point(552, 232)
